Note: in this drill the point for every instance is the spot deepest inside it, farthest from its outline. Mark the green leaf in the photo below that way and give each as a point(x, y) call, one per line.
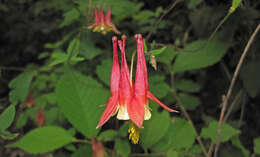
point(122, 147)
point(6, 135)
point(70, 17)
point(7, 117)
point(208, 55)
point(193, 3)
point(73, 48)
point(44, 139)
point(167, 56)
point(257, 145)
point(251, 78)
point(145, 46)
point(82, 151)
point(172, 153)
point(88, 49)
point(180, 135)
point(158, 51)
point(104, 70)
point(235, 4)
point(158, 86)
point(20, 87)
point(211, 132)
point(59, 57)
point(79, 97)
point(155, 128)
point(188, 101)
point(235, 141)
point(107, 135)
point(187, 86)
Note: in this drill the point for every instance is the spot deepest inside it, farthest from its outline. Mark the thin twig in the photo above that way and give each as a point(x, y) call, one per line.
point(231, 87)
point(156, 24)
point(187, 116)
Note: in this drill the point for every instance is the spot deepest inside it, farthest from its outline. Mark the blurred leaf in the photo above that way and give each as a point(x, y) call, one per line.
point(257, 145)
point(179, 135)
point(235, 4)
point(70, 17)
point(107, 135)
point(59, 57)
point(194, 3)
point(211, 132)
point(79, 97)
point(210, 54)
point(23, 117)
point(188, 101)
point(73, 48)
point(123, 130)
point(187, 86)
point(88, 48)
point(6, 135)
point(172, 153)
point(20, 86)
point(44, 139)
point(7, 117)
point(158, 86)
point(167, 56)
point(145, 46)
point(251, 78)
point(3, 7)
point(122, 147)
point(155, 128)
point(235, 141)
point(83, 151)
point(104, 70)
point(158, 51)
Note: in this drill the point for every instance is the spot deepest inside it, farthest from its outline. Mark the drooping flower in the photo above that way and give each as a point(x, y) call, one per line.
point(103, 22)
point(138, 109)
point(131, 100)
point(98, 149)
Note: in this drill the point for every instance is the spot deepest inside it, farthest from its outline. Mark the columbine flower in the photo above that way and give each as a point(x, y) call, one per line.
point(103, 23)
point(138, 109)
point(130, 101)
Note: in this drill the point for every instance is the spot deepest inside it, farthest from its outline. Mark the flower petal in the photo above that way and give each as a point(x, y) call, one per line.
point(115, 73)
point(111, 107)
point(136, 111)
point(153, 98)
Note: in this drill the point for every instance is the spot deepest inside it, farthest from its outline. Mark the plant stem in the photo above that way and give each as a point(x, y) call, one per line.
point(225, 101)
point(187, 116)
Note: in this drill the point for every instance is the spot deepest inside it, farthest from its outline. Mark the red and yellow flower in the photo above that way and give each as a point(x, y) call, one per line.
point(130, 101)
point(103, 22)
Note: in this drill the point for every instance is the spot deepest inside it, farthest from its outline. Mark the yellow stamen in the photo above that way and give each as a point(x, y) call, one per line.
point(134, 133)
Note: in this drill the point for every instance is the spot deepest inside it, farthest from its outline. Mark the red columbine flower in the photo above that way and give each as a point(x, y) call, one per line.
point(138, 109)
point(130, 100)
point(103, 23)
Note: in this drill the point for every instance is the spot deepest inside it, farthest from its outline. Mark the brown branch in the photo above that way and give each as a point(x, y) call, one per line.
point(187, 116)
point(225, 101)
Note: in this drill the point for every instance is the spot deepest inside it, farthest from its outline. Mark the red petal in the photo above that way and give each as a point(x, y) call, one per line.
point(115, 73)
point(97, 19)
point(110, 109)
point(136, 112)
point(152, 97)
point(125, 89)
